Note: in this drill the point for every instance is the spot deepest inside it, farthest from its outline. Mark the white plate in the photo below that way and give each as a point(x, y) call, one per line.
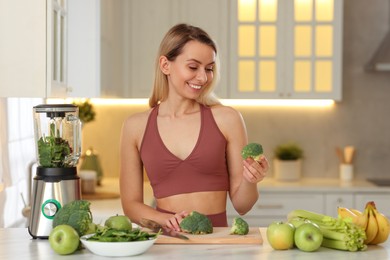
point(117, 248)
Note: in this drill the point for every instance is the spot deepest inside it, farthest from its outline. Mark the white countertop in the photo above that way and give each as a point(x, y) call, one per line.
point(16, 243)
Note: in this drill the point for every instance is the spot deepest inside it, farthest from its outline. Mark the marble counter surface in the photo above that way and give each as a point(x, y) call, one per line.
point(16, 243)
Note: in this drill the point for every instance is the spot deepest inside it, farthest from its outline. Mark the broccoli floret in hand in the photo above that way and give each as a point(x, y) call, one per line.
point(196, 223)
point(253, 150)
point(239, 227)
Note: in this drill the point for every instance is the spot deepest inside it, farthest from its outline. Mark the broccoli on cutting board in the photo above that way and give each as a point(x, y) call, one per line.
point(239, 227)
point(197, 224)
point(253, 150)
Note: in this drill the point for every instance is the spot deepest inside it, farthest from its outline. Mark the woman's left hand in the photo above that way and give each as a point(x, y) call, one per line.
point(255, 171)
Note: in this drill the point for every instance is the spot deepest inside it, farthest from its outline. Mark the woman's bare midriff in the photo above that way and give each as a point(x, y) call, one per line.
point(208, 202)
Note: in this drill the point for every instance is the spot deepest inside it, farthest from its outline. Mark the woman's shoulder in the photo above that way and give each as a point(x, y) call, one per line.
point(225, 113)
point(227, 118)
point(137, 120)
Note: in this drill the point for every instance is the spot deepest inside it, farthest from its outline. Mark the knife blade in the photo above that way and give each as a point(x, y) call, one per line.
point(156, 227)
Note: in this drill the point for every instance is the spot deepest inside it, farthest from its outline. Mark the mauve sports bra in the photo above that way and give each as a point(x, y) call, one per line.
point(205, 169)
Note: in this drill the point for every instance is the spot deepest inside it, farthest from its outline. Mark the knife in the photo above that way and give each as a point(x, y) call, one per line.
point(156, 227)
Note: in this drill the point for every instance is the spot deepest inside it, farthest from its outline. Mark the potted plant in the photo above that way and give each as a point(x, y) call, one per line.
point(86, 111)
point(288, 162)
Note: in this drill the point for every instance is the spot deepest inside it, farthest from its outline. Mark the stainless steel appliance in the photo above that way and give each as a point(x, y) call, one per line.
point(57, 132)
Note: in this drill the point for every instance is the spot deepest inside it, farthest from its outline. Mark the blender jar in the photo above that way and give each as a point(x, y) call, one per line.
point(57, 132)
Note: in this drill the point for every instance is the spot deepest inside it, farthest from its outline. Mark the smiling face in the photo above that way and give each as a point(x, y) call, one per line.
point(191, 72)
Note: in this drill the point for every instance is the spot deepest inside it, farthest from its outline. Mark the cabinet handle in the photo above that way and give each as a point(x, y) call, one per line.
point(270, 206)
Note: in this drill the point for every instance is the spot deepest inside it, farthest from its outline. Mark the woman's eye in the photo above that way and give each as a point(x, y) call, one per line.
point(193, 68)
point(210, 69)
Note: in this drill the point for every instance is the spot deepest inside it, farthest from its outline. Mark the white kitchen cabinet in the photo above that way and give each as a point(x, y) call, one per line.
point(334, 200)
point(84, 37)
point(286, 49)
point(33, 48)
point(381, 201)
point(274, 206)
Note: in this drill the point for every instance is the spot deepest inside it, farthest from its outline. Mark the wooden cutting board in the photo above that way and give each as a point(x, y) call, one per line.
point(220, 235)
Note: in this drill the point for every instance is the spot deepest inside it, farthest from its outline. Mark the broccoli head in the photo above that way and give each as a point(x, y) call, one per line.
point(76, 214)
point(253, 150)
point(239, 227)
point(196, 223)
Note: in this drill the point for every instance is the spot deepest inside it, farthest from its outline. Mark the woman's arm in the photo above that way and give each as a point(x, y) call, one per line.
point(131, 176)
point(244, 175)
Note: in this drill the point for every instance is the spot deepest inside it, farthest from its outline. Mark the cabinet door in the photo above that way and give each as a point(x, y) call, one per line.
point(286, 49)
point(84, 48)
point(334, 200)
point(23, 48)
point(33, 48)
point(57, 46)
point(381, 201)
point(274, 206)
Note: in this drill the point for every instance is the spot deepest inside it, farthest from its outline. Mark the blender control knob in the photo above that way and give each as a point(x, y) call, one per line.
point(50, 208)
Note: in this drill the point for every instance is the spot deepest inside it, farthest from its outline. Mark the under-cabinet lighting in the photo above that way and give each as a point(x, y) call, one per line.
point(102, 101)
point(279, 102)
point(228, 102)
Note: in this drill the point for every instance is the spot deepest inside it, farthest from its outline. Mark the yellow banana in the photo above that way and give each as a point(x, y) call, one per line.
point(346, 213)
point(356, 211)
point(383, 228)
point(362, 220)
point(359, 219)
point(372, 224)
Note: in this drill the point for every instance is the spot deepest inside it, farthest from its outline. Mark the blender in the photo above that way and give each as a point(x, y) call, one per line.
point(57, 134)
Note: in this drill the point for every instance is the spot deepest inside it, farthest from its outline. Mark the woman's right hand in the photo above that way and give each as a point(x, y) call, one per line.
point(174, 221)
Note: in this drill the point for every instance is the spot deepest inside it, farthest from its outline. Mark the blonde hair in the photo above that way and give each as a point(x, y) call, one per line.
point(172, 46)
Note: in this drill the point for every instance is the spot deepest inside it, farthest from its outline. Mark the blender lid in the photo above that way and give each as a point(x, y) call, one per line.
point(55, 110)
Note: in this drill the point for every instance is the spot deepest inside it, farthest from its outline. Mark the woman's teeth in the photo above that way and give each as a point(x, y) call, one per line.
point(195, 86)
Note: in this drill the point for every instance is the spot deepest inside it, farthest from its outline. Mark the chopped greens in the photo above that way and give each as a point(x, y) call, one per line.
point(106, 234)
point(54, 152)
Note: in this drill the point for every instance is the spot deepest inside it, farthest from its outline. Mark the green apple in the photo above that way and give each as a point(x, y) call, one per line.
point(64, 239)
point(308, 237)
point(119, 222)
point(297, 221)
point(92, 227)
point(280, 235)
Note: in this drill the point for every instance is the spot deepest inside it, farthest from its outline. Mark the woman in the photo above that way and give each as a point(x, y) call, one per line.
point(189, 144)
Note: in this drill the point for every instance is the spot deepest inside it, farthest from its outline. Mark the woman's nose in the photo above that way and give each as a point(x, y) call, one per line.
point(201, 76)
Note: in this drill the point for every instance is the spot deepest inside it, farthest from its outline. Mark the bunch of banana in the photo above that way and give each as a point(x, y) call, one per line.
point(376, 225)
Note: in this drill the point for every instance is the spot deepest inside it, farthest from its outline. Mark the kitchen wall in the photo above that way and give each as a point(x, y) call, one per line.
point(359, 119)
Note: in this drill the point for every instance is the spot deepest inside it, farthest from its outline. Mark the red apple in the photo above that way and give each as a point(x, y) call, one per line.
point(280, 235)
